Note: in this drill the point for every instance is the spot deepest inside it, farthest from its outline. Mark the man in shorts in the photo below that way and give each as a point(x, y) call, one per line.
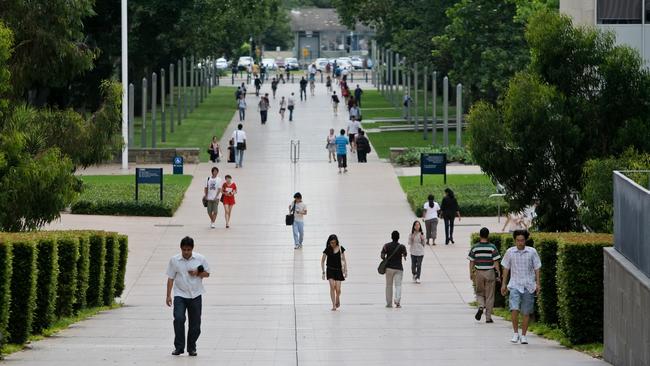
point(211, 194)
point(522, 263)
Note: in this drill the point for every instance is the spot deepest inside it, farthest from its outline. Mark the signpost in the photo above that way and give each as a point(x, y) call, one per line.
point(178, 165)
point(148, 176)
point(433, 164)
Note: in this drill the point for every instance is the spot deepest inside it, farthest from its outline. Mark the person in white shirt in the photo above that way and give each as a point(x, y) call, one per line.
point(291, 104)
point(185, 274)
point(430, 215)
point(239, 142)
point(211, 193)
point(299, 210)
point(353, 130)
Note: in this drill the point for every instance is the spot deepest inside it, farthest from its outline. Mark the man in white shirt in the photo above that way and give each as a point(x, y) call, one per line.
point(185, 274)
point(353, 130)
point(239, 143)
point(522, 263)
point(211, 193)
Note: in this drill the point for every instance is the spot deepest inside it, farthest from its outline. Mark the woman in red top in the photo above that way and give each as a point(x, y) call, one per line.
point(229, 190)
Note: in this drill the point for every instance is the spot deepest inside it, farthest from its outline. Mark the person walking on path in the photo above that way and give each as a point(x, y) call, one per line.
point(243, 89)
point(431, 213)
point(264, 105)
point(214, 150)
point(283, 107)
point(484, 272)
point(241, 105)
point(331, 146)
point(335, 103)
point(522, 263)
point(337, 268)
point(357, 95)
point(185, 274)
point(355, 113)
point(353, 129)
point(258, 86)
point(395, 252)
point(238, 94)
point(303, 88)
point(299, 210)
point(228, 192)
point(416, 246)
point(450, 211)
point(406, 102)
point(363, 146)
point(239, 142)
point(211, 195)
point(328, 83)
point(341, 151)
point(274, 86)
point(291, 104)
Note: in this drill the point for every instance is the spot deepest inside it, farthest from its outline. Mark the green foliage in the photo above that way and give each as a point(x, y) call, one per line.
point(115, 195)
point(68, 252)
point(110, 268)
point(83, 272)
point(547, 300)
point(23, 288)
point(597, 194)
point(6, 256)
point(46, 283)
point(455, 154)
point(96, 272)
point(6, 43)
point(121, 267)
point(580, 290)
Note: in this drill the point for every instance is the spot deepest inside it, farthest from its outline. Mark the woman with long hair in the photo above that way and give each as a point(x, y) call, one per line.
point(228, 192)
point(416, 247)
point(450, 211)
point(337, 268)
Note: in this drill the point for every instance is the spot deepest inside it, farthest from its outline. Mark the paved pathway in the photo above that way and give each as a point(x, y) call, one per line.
point(265, 302)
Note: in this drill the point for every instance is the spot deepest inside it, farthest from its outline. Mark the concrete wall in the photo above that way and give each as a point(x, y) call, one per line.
point(627, 307)
point(583, 12)
point(161, 155)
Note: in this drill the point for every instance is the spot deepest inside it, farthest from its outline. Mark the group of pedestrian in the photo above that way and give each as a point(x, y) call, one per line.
point(448, 210)
point(216, 191)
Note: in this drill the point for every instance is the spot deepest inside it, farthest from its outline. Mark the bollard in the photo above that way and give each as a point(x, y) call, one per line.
point(459, 114)
point(445, 111)
point(366, 72)
point(292, 79)
point(233, 79)
point(321, 77)
point(154, 107)
point(143, 128)
point(131, 112)
point(163, 89)
point(171, 98)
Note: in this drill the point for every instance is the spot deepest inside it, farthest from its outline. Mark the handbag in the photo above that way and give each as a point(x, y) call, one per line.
point(240, 145)
point(288, 219)
point(382, 266)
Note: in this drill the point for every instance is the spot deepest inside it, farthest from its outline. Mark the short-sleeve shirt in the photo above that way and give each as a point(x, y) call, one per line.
point(522, 265)
point(431, 212)
point(353, 126)
point(484, 255)
point(334, 259)
point(238, 136)
point(300, 207)
point(395, 262)
point(187, 286)
point(213, 185)
point(341, 143)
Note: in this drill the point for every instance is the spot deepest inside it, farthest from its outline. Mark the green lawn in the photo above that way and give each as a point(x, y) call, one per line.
point(210, 119)
point(377, 106)
point(472, 192)
point(383, 141)
point(115, 195)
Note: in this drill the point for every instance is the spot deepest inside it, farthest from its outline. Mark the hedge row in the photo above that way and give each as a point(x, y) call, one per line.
point(47, 275)
point(571, 277)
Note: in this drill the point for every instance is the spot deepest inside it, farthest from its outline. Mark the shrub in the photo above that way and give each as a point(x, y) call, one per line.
point(121, 268)
point(23, 285)
point(5, 284)
point(473, 199)
point(46, 282)
point(411, 157)
point(547, 299)
point(68, 250)
point(83, 272)
point(110, 268)
point(96, 272)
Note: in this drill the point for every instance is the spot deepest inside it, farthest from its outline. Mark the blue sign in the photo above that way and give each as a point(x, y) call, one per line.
point(178, 165)
point(148, 176)
point(433, 164)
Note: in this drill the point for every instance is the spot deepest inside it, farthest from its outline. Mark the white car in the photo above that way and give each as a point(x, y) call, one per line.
point(269, 63)
point(321, 63)
point(357, 62)
point(222, 63)
point(344, 63)
point(245, 62)
point(291, 63)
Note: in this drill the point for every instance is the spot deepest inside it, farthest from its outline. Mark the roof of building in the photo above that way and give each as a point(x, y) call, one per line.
point(320, 19)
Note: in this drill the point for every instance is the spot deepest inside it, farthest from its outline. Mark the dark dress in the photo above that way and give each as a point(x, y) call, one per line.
point(334, 266)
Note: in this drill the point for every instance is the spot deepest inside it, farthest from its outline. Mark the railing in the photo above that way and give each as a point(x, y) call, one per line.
point(294, 151)
point(632, 219)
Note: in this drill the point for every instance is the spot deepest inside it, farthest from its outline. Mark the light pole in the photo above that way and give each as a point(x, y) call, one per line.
point(125, 83)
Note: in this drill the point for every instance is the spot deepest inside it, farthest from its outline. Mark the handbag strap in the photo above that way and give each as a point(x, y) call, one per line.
point(293, 209)
point(393, 253)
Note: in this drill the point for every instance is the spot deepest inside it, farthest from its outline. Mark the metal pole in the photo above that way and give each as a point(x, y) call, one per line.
point(434, 109)
point(125, 82)
point(131, 112)
point(163, 90)
point(416, 121)
point(143, 128)
point(184, 94)
point(445, 111)
point(179, 90)
point(192, 91)
point(154, 107)
point(459, 114)
point(425, 76)
point(396, 71)
point(171, 98)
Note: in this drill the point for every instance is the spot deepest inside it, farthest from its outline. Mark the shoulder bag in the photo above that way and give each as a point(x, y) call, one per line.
point(382, 266)
point(240, 145)
point(288, 219)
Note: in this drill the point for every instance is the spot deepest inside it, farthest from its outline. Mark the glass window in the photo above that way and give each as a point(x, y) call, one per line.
point(619, 11)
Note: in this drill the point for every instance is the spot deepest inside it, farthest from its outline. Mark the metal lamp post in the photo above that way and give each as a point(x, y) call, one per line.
point(125, 83)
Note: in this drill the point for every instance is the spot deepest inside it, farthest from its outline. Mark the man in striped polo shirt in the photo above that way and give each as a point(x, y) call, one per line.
point(483, 262)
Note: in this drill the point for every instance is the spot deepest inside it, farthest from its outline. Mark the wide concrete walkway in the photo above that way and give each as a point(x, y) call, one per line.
point(266, 303)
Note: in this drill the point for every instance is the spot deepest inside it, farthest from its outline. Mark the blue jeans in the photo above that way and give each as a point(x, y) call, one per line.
point(239, 157)
point(193, 309)
point(242, 114)
point(524, 302)
point(298, 232)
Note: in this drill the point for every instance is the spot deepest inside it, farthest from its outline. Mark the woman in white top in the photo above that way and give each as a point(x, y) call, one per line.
point(283, 107)
point(431, 211)
point(241, 105)
point(416, 247)
point(331, 146)
point(239, 142)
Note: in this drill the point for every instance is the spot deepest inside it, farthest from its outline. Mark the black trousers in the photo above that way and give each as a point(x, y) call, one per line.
point(263, 115)
point(361, 156)
point(303, 91)
point(449, 229)
point(193, 309)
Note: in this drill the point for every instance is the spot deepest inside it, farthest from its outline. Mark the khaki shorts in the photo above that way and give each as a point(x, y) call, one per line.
point(213, 207)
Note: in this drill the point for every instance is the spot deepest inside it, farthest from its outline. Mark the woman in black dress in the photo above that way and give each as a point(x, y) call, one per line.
point(450, 211)
point(337, 269)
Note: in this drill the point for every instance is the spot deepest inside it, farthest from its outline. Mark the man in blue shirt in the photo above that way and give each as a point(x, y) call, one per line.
point(341, 151)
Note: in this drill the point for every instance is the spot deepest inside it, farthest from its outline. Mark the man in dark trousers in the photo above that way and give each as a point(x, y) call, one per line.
point(303, 88)
point(357, 95)
point(264, 105)
point(185, 273)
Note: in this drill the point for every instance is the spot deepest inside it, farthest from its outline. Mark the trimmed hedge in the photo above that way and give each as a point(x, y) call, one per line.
point(67, 284)
point(96, 272)
point(547, 300)
point(5, 283)
point(121, 268)
point(83, 272)
point(23, 285)
point(46, 283)
point(110, 268)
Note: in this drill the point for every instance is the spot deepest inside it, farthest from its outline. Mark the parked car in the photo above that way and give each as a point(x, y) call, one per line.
point(279, 62)
point(222, 63)
point(291, 63)
point(344, 63)
point(357, 62)
point(269, 63)
point(244, 62)
point(321, 63)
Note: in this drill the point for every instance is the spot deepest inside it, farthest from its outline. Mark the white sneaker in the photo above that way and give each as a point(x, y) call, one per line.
point(417, 280)
point(212, 225)
point(523, 339)
point(515, 338)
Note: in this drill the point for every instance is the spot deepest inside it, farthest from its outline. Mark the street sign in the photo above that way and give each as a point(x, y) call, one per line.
point(177, 164)
point(148, 176)
point(433, 164)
